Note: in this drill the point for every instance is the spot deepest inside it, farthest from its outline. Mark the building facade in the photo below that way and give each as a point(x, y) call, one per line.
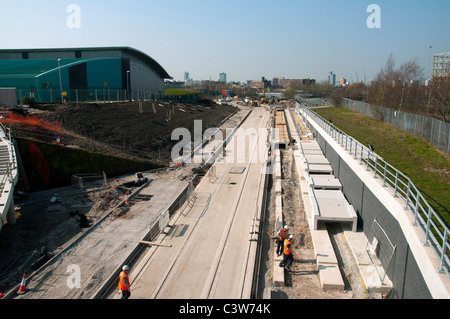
point(80, 73)
point(441, 65)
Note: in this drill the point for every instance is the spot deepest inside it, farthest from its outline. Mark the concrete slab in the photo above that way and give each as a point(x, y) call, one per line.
point(278, 189)
point(312, 152)
point(330, 277)
point(318, 168)
point(372, 273)
point(322, 247)
point(323, 182)
point(311, 145)
point(331, 205)
point(278, 272)
point(315, 159)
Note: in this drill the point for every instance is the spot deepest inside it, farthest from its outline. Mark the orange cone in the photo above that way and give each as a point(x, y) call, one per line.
point(126, 198)
point(22, 288)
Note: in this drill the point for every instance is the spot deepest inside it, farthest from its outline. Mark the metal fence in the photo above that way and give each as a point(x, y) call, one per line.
point(101, 95)
point(434, 229)
point(11, 168)
point(431, 129)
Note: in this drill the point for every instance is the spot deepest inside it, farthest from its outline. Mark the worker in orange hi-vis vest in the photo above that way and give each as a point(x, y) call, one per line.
point(124, 282)
point(281, 236)
point(288, 258)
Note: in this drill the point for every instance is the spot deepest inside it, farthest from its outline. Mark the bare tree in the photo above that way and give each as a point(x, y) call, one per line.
point(440, 98)
point(409, 73)
point(397, 88)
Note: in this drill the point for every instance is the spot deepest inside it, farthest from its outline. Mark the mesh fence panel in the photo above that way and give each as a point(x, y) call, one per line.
point(431, 129)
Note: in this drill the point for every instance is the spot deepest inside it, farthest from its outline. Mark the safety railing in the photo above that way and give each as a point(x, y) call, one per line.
point(10, 172)
point(434, 229)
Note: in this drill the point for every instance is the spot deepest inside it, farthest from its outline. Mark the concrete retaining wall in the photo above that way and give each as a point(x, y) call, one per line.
point(403, 271)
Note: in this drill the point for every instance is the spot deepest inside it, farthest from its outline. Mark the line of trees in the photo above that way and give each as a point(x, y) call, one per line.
point(401, 88)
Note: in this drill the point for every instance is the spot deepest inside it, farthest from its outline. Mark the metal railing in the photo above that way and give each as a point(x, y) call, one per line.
point(434, 229)
point(11, 167)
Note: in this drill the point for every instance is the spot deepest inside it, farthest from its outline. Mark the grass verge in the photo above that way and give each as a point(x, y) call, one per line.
point(426, 166)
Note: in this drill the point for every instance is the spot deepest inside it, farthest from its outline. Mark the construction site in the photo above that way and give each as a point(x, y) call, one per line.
point(201, 228)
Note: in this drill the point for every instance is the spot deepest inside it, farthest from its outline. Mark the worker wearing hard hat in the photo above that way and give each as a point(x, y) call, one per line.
point(124, 282)
point(281, 236)
point(288, 259)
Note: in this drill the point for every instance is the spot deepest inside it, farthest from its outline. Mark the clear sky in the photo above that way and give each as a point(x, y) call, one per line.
point(246, 39)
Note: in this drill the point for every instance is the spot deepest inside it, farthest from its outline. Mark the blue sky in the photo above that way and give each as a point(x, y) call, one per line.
point(246, 39)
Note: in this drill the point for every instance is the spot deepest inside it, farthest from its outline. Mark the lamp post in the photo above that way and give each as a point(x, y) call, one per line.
point(60, 82)
point(128, 85)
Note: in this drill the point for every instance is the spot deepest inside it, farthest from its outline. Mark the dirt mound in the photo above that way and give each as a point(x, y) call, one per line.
point(145, 127)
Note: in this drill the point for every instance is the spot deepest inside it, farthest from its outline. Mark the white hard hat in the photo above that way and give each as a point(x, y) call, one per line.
point(286, 227)
point(125, 267)
point(290, 236)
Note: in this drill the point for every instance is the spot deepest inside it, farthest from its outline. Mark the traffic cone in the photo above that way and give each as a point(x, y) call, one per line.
point(126, 199)
point(22, 288)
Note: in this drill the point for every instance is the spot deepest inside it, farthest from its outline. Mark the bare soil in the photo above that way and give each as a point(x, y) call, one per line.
point(137, 130)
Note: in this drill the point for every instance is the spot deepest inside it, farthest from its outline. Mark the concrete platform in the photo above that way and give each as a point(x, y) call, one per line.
point(369, 266)
point(327, 263)
point(331, 205)
point(323, 182)
point(330, 277)
point(315, 159)
point(312, 152)
point(318, 169)
point(311, 145)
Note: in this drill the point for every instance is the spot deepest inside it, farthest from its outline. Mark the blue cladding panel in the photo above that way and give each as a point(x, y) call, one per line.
point(105, 70)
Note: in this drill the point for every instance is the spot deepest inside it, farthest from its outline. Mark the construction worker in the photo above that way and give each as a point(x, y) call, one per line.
point(281, 236)
point(124, 282)
point(288, 259)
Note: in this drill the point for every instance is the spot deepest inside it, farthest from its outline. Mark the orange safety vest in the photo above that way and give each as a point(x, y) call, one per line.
point(287, 247)
point(122, 285)
point(282, 234)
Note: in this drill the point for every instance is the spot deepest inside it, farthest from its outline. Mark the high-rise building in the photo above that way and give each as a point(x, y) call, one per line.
point(332, 79)
point(186, 75)
point(441, 65)
point(223, 77)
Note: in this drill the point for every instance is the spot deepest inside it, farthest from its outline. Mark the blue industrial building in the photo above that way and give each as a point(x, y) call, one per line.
point(82, 74)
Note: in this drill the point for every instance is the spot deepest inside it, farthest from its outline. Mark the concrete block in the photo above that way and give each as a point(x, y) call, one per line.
point(330, 277)
point(278, 187)
point(323, 249)
point(278, 274)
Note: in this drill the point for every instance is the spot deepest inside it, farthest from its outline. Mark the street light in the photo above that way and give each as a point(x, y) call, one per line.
point(128, 85)
point(60, 82)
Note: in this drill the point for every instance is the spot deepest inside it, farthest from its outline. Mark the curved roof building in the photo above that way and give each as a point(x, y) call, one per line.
point(82, 73)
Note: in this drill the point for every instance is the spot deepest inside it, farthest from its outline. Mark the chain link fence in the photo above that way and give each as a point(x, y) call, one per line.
point(430, 129)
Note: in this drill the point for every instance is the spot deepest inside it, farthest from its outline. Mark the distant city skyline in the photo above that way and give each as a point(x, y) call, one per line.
point(246, 40)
